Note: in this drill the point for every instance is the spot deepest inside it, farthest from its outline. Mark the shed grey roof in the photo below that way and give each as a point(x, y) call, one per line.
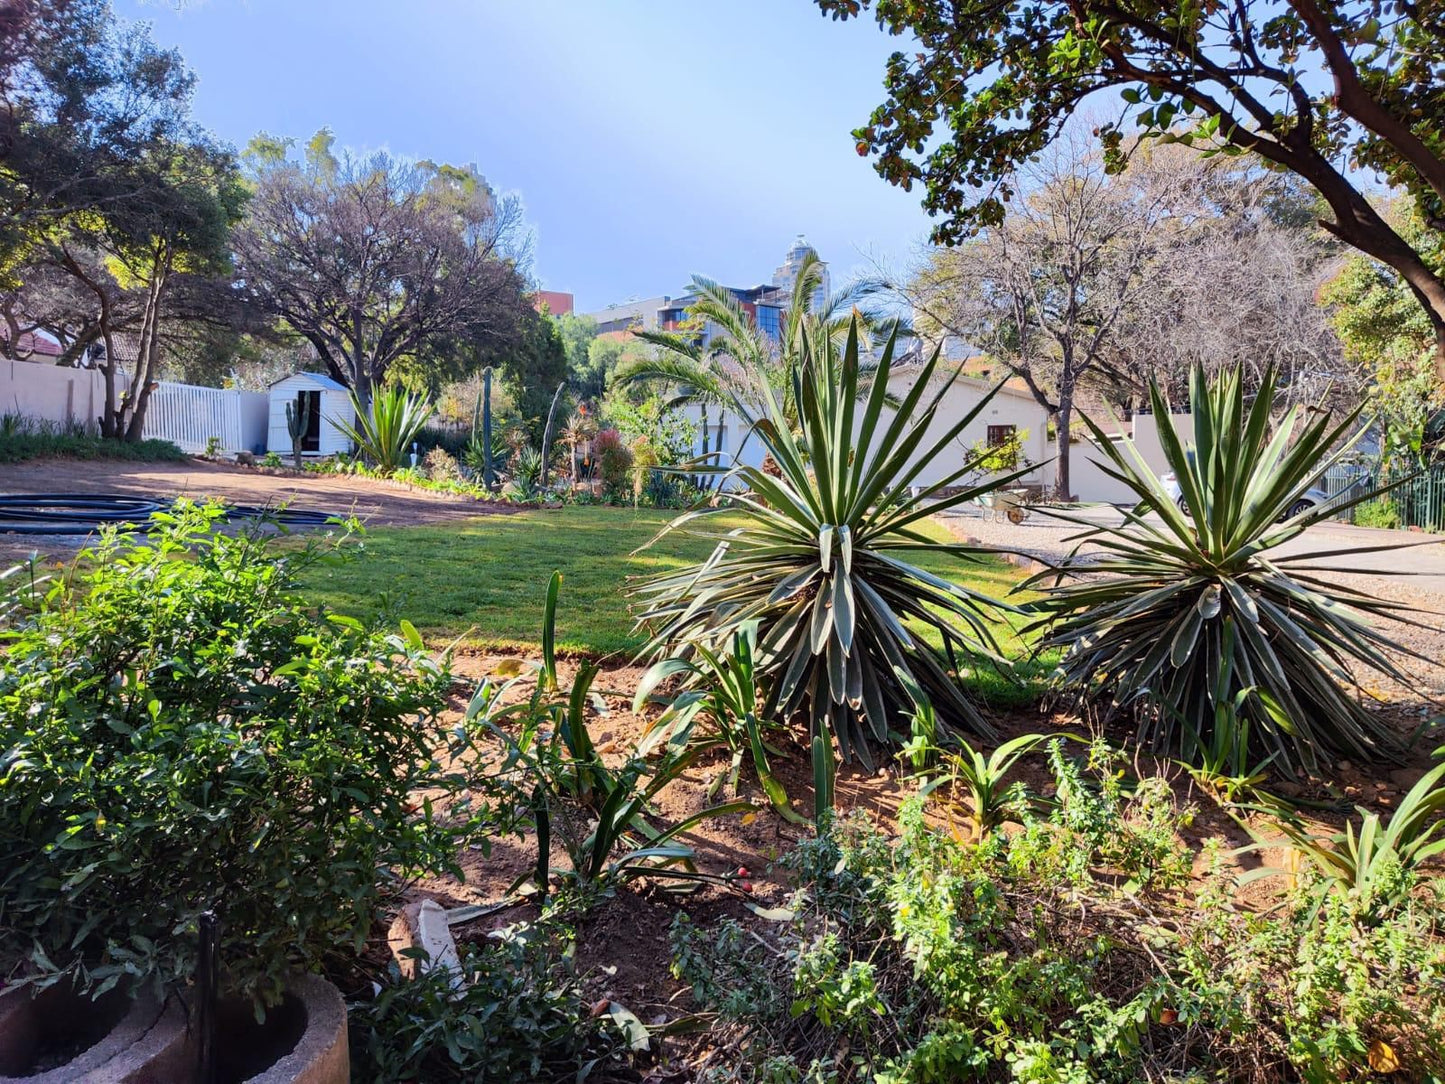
point(316, 378)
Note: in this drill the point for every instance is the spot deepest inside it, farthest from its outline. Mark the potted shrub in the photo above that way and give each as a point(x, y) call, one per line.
point(182, 732)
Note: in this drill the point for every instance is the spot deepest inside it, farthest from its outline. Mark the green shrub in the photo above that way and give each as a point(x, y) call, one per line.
point(1068, 952)
point(822, 559)
point(182, 731)
point(521, 1017)
point(928, 958)
point(24, 438)
point(1378, 512)
point(1190, 623)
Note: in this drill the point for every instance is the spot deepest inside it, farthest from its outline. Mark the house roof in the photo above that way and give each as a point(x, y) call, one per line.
point(973, 371)
point(316, 378)
point(30, 344)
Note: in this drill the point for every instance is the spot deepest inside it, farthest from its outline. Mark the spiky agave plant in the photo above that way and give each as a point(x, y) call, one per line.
point(821, 560)
point(1165, 605)
point(385, 431)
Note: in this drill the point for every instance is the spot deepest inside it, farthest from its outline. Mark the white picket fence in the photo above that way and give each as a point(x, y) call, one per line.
point(190, 416)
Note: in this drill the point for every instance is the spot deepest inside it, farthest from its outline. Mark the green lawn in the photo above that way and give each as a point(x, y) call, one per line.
point(483, 580)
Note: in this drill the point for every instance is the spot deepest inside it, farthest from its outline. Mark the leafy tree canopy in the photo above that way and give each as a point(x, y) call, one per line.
point(1315, 87)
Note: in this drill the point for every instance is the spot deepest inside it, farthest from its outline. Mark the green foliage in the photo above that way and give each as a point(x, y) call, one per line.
point(23, 438)
point(551, 776)
point(578, 333)
point(822, 560)
point(520, 1017)
point(1180, 79)
point(532, 371)
point(526, 474)
point(1176, 600)
point(1007, 456)
point(719, 690)
point(272, 460)
point(1386, 333)
point(664, 430)
point(1379, 512)
point(1058, 953)
point(183, 731)
point(384, 432)
point(1377, 867)
point(928, 958)
point(982, 780)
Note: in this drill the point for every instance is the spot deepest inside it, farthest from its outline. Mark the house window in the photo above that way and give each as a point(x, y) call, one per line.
point(309, 402)
point(999, 435)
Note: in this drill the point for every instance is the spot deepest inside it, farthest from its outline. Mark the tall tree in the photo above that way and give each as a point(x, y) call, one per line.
point(1389, 339)
point(578, 333)
point(532, 370)
point(1046, 288)
point(1309, 86)
point(180, 226)
point(377, 261)
point(84, 99)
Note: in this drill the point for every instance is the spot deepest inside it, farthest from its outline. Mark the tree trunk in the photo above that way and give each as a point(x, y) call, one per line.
point(1064, 420)
point(145, 368)
point(110, 415)
point(702, 480)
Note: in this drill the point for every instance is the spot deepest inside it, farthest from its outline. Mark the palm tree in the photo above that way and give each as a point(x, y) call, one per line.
point(740, 359)
point(578, 432)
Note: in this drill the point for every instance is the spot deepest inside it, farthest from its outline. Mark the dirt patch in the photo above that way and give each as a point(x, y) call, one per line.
point(622, 949)
point(376, 502)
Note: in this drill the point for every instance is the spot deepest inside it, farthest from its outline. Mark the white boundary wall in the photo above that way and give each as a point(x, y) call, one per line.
point(52, 393)
point(182, 413)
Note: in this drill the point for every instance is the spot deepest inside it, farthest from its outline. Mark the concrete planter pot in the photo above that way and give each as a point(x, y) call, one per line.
point(58, 1036)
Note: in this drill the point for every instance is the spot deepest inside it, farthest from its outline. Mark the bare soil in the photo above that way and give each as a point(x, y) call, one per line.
point(622, 947)
point(374, 501)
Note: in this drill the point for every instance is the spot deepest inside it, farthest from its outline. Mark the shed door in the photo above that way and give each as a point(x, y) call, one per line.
point(310, 402)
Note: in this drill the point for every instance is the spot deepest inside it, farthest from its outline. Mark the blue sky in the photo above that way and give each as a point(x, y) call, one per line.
point(648, 140)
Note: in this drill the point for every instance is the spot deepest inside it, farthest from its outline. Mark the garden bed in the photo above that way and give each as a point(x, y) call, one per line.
point(624, 949)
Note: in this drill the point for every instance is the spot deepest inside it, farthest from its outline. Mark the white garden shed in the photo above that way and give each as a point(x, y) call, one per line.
point(329, 401)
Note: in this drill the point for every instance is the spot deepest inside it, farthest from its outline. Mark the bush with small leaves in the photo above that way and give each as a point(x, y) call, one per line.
point(183, 730)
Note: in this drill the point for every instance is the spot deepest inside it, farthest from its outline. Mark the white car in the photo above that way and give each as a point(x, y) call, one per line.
point(1310, 498)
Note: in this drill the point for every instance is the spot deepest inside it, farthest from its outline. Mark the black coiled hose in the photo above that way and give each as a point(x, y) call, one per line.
point(82, 513)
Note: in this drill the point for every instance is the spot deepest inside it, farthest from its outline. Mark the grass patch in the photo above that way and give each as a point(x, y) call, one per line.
point(482, 581)
point(24, 438)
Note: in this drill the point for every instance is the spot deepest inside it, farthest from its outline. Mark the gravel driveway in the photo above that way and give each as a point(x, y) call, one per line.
point(1415, 576)
point(374, 501)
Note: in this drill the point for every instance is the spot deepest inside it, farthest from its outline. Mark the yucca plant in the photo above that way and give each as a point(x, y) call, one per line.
point(553, 777)
point(1161, 606)
point(1375, 866)
point(982, 781)
point(820, 560)
point(718, 690)
point(384, 433)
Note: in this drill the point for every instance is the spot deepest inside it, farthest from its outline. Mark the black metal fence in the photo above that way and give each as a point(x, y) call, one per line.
point(1418, 501)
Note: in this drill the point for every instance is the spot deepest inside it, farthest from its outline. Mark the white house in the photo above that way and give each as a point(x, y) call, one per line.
point(328, 401)
point(1013, 413)
point(1089, 483)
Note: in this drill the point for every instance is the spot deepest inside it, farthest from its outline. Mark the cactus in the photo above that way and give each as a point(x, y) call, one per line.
point(298, 417)
point(488, 474)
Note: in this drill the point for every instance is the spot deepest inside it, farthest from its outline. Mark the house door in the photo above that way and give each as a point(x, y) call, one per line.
point(310, 403)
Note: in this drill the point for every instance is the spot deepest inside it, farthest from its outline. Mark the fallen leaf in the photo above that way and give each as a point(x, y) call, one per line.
point(1382, 1059)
